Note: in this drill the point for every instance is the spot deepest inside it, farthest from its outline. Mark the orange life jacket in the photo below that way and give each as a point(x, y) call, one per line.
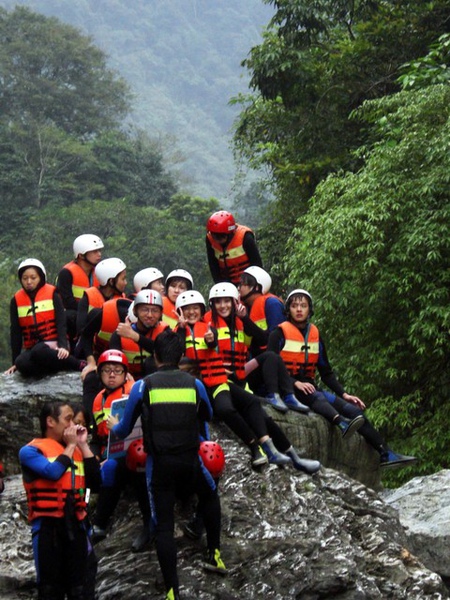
point(101, 408)
point(169, 314)
point(300, 354)
point(232, 259)
point(208, 359)
point(37, 317)
point(110, 320)
point(95, 298)
point(80, 281)
point(47, 498)
point(137, 355)
point(233, 350)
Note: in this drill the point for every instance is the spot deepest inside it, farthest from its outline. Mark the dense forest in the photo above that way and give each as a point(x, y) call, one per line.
point(182, 62)
point(347, 116)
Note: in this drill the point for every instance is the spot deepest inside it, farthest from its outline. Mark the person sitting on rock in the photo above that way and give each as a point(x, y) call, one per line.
point(303, 350)
point(39, 340)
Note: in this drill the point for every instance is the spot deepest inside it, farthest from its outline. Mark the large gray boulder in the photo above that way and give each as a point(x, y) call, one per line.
point(21, 400)
point(285, 535)
point(423, 505)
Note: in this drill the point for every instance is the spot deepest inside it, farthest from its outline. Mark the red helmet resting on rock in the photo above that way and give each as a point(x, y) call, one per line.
point(213, 457)
point(136, 456)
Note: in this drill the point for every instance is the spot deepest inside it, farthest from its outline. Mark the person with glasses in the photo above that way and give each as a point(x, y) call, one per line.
point(113, 370)
point(136, 340)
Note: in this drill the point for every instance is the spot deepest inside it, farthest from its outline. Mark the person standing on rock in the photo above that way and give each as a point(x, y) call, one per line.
point(171, 403)
point(303, 350)
point(230, 247)
point(57, 468)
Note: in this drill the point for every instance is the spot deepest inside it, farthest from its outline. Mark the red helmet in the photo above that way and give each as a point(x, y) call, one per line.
point(221, 222)
point(113, 356)
point(213, 457)
point(136, 456)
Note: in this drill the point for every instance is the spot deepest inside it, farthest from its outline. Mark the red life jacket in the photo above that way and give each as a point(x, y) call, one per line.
point(37, 317)
point(232, 259)
point(47, 498)
point(80, 281)
point(300, 354)
point(209, 360)
point(101, 408)
point(233, 350)
point(137, 355)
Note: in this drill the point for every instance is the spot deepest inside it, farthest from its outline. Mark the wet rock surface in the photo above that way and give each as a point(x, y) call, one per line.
point(285, 535)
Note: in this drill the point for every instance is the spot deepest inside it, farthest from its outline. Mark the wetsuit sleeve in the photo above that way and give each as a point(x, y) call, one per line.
point(274, 310)
point(326, 372)
point(205, 411)
point(15, 331)
point(92, 326)
point(251, 249)
point(276, 341)
point(60, 319)
point(258, 335)
point(115, 342)
point(82, 313)
point(213, 263)
point(64, 287)
point(133, 410)
point(34, 463)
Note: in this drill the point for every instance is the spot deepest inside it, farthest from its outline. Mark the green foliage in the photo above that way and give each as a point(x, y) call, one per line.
point(317, 63)
point(374, 251)
point(431, 69)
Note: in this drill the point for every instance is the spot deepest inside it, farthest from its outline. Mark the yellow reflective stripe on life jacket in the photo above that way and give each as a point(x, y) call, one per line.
point(78, 291)
point(40, 306)
point(173, 395)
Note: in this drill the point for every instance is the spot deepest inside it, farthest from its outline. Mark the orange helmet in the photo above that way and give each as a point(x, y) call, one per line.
point(212, 457)
point(136, 456)
point(221, 222)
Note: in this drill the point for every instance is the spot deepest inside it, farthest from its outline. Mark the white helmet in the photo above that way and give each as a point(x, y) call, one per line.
point(145, 277)
point(108, 269)
point(190, 297)
point(177, 273)
point(301, 292)
point(86, 243)
point(262, 277)
point(148, 297)
point(31, 262)
point(131, 316)
point(223, 290)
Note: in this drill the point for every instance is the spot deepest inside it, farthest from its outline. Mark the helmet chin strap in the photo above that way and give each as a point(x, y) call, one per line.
point(93, 265)
point(250, 293)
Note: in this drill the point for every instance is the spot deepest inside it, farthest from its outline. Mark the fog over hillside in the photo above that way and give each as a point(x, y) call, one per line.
point(182, 60)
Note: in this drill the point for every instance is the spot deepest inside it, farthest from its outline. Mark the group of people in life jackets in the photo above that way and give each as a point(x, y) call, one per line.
point(247, 347)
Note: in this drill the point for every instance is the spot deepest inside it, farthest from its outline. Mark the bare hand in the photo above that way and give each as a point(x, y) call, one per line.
point(88, 369)
point(62, 353)
point(241, 310)
point(126, 331)
point(209, 335)
point(305, 387)
point(111, 421)
point(354, 400)
point(11, 370)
